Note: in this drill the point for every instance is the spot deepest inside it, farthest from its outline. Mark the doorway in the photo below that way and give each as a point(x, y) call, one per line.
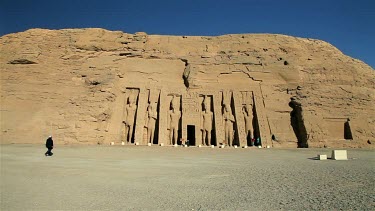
point(191, 135)
point(347, 131)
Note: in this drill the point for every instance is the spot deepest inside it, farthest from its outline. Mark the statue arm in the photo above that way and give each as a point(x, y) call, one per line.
point(146, 119)
point(201, 123)
point(125, 115)
point(154, 115)
point(232, 118)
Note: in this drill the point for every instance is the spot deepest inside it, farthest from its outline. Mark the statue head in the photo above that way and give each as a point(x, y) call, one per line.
point(131, 99)
point(248, 108)
point(206, 104)
point(154, 105)
point(227, 107)
point(174, 103)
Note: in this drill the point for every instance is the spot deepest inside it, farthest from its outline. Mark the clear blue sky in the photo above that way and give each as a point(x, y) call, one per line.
point(347, 24)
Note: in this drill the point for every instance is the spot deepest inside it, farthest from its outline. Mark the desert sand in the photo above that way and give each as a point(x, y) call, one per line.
point(168, 178)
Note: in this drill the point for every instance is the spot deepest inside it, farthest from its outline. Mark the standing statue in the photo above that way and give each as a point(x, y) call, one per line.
point(152, 115)
point(129, 116)
point(228, 126)
point(247, 112)
point(206, 120)
point(174, 116)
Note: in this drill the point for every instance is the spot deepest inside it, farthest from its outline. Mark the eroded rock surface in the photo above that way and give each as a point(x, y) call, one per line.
point(75, 84)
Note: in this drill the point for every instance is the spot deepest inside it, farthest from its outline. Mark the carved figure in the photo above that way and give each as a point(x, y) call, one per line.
point(174, 116)
point(129, 116)
point(247, 113)
point(152, 115)
point(228, 126)
point(206, 120)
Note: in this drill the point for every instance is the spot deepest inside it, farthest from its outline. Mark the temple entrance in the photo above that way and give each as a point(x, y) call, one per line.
point(191, 135)
point(347, 131)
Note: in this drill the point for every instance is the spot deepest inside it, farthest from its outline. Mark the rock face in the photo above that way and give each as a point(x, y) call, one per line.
point(85, 85)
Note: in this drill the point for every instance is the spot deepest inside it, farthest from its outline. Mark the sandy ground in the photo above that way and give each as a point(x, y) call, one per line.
point(167, 178)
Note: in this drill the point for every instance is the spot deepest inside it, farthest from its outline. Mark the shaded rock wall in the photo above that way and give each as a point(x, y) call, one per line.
point(72, 84)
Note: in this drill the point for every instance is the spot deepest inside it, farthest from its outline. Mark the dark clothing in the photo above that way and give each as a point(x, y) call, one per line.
point(49, 145)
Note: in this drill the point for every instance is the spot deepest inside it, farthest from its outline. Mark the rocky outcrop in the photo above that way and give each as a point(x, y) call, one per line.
point(70, 82)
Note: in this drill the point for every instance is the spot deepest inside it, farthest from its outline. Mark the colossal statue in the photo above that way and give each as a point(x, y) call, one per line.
point(129, 117)
point(228, 124)
point(247, 112)
point(152, 115)
point(174, 116)
point(207, 119)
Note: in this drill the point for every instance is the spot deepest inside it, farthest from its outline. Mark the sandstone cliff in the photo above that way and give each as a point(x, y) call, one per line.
point(67, 82)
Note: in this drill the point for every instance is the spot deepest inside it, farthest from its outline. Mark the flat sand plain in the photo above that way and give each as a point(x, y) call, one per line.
point(168, 178)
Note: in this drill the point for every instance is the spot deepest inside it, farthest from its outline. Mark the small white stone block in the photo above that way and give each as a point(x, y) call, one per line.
point(260, 147)
point(175, 145)
point(149, 144)
point(136, 143)
point(112, 143)
point(161, 144)
point(212, 146)
point(222, 146)
point(339, 155)
point(122, 143)
point(199, 145)
point(268, 147)
point(235, 146)
point(245, 146)
point(185, 145)
point(322, 157)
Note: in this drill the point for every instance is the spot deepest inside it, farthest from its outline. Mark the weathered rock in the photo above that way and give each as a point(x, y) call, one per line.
point(80, 79)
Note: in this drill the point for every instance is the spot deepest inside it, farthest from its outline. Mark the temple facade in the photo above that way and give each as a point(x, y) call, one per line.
point(190, 116)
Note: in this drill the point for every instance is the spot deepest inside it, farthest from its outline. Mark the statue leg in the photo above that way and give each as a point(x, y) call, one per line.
point(204, 137)
point(126, 132)
point(152, 135)
point(175, 135)
point(149, 135)
point(131, 128)
point(230, 141)
point(208, 138)
point(226, 137)
point(171, 135)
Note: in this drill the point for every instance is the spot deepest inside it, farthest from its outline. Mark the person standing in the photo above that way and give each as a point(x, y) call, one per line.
point(49, 145)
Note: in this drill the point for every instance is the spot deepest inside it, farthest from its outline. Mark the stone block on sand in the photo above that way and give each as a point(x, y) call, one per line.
point(322, 157)
point(149, 144)
point(112, 143)
point(339, 155)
